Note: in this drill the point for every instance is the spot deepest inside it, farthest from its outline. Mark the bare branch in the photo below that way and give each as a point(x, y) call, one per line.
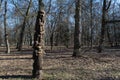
point(18, 8)
point(108, 5)
point(49, 7)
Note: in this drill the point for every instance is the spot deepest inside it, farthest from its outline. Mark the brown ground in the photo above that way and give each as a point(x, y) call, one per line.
point(59, 65)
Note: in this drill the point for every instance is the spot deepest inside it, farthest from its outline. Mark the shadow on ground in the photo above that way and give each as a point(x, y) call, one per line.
point(14, 58)
point(29, 77)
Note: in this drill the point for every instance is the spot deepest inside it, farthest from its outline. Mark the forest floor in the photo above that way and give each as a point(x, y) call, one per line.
point(59, 65)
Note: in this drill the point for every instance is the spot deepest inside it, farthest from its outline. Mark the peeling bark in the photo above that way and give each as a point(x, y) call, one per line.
point(39, 43)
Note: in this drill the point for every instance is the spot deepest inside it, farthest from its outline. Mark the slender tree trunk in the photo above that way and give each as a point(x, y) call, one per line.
point(57, 39)
point(77, 30)
point(109, 39)
point(1, 4)
point(115, 35)
point(104, 11)
point(51, 40)
point(0, 38)
point(5, 31)
point(102, 27)
point(39, 43)
point(23, 28)
point(114, 27)
point(91, 14)
point(30, 40)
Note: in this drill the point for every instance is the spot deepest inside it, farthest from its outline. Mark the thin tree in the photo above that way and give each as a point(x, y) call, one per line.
point(114, 27)
point(23, 27)
point(5, 30)
point(77, 29)
point(91, 20)
point(39, 42)
point(104, 11)
point(1, 3)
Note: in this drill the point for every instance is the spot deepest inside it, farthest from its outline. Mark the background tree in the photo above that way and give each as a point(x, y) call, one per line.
point(5, 30)
point(91, 20)
point(104, 13)
point(59, 27)
point(23, 27)
point(76, 51)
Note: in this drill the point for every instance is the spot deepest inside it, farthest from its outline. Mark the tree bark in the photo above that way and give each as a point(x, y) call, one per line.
point(104, 11)
point(115, 36)
point(5, 31)
point(51, 40)
point(102, 27)
point(91, 24)
point(39, 43)
point(109, 38)
point(77, 30)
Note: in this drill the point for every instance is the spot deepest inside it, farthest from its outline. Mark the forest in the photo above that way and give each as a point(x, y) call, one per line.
point(59, 39)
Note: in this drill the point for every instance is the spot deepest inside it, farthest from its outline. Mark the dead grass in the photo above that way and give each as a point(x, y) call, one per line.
point(61, 66)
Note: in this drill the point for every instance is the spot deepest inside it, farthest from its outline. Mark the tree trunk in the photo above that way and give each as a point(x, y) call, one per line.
point(1, 4)
point(23, 28)
point(77, 30)
point(109, 39)
point(39, 43)
point(114, 25)
point(104, 10)
point(102, 27)
point(30, 40)
point(51, 40)
point(30, 37)
point(5, 31)
point(115, 36)
point(91, 14)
